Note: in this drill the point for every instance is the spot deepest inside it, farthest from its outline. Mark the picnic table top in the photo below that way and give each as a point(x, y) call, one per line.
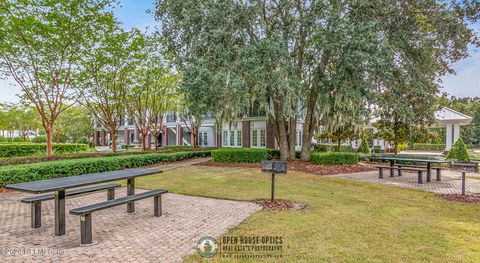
point(412, 160)
point(63, 183)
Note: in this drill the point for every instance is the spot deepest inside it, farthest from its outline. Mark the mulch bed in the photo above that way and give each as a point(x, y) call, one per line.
point(460, 198)
point(280, 205)
point(4, 190)
point(302, 166)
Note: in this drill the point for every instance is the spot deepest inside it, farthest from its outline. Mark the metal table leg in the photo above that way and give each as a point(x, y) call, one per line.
point(428, 171)
point(131, 191)
point(392, 164)
point(60, 213)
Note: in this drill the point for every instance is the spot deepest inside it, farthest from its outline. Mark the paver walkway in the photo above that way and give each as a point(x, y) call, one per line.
point(451, 182)
point(118, 236)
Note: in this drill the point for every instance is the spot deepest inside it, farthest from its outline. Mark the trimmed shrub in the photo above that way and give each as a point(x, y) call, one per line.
point(20, 139)
point(402, 147)
point(459, 152)
point(3, 139)
point(40, 139)
point(26, 149)
point(318, 147)
point(364, 148)
point(41, 171)
point(377, 149)
point(243, 155)
point(428, 147)
point(334, 158)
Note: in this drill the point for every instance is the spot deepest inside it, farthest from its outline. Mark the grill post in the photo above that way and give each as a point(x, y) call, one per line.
point(157, 205)
point(273, 188)
point(463, 183)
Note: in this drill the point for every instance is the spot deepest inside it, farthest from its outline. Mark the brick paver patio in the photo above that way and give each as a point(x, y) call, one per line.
point(118, 236)
point(450, 184)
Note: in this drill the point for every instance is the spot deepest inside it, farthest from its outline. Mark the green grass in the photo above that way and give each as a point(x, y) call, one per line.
point(346, 221)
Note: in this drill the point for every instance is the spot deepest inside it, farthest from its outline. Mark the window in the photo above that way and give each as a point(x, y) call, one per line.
point(239, 138)
point(258, 138)
point(232, 138)
point(202, 139)
point(299, 138)
point(225, 135)
point(262, 138)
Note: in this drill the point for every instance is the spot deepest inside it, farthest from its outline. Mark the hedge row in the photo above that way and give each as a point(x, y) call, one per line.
point(428, 147)
point(318, 147)
point(334, 158)
point(41, 171)
point(243, 155)
point(25, 149)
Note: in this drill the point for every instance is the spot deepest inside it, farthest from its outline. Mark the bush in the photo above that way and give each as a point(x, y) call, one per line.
point(3, 139)
point(19, 139)
point(41, 171)
point(377, 149)
point(364, 148)
point(459, 152)
point(318, 147)
point(243, 155)
point(40, 139)
point(428, 147)
point(333, 158)
point(402, 147)
point(26, 149)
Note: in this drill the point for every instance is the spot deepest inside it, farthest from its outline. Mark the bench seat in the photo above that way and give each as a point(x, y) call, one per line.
point(85, 212)
point(36, 200)
point(399, 169)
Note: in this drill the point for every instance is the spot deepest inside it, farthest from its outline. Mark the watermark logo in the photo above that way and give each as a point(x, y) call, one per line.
point(207, 247)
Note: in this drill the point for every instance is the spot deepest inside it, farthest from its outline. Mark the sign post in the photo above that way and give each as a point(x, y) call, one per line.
point(274, 167)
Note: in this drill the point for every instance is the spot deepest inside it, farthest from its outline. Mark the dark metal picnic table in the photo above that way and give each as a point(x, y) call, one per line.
point(429, 162)
point(61, 184)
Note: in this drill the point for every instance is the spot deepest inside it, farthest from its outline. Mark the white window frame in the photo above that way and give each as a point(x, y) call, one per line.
point(258, 142)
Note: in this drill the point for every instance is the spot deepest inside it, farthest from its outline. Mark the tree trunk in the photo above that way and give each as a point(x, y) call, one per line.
point(144, 141)
point(155, 140)
point(292, 137)
point(48, 132)
point(339, 144)
point(308, 126)
point(113, 135)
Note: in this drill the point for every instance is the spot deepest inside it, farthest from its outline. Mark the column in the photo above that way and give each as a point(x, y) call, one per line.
point(104, 138)
point(125, 136)
point(246, 134)
point(456, 132)
point(165, 136)
point(180, 135)
point(449, 137)
point(135, 135)
point(95, 138)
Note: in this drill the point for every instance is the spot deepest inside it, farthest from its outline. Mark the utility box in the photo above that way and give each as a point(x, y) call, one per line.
point(274, 167)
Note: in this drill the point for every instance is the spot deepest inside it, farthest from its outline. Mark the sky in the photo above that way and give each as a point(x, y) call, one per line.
point(132, 13)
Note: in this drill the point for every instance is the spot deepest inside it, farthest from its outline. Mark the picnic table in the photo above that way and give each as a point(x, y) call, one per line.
point(59, 185)
point(428, 162)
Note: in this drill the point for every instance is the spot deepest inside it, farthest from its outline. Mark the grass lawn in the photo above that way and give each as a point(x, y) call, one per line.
point(346, 221)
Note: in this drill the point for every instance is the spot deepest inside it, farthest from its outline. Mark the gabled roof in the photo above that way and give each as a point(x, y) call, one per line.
point(449, 115)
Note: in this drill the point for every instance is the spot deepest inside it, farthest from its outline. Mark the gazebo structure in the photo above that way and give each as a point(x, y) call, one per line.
point(446, 118)
point(451, 120)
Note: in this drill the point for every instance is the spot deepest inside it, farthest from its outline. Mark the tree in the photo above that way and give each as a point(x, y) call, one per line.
point(21, 118)
point(476, 127)
point(41, 45)
point(364, 147)
point(108, 74)
point(153, 91)
point(76, 122)
point(459, 152)
point(285, 55)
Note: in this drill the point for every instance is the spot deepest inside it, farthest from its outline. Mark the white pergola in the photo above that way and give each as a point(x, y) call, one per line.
point(451, 120)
